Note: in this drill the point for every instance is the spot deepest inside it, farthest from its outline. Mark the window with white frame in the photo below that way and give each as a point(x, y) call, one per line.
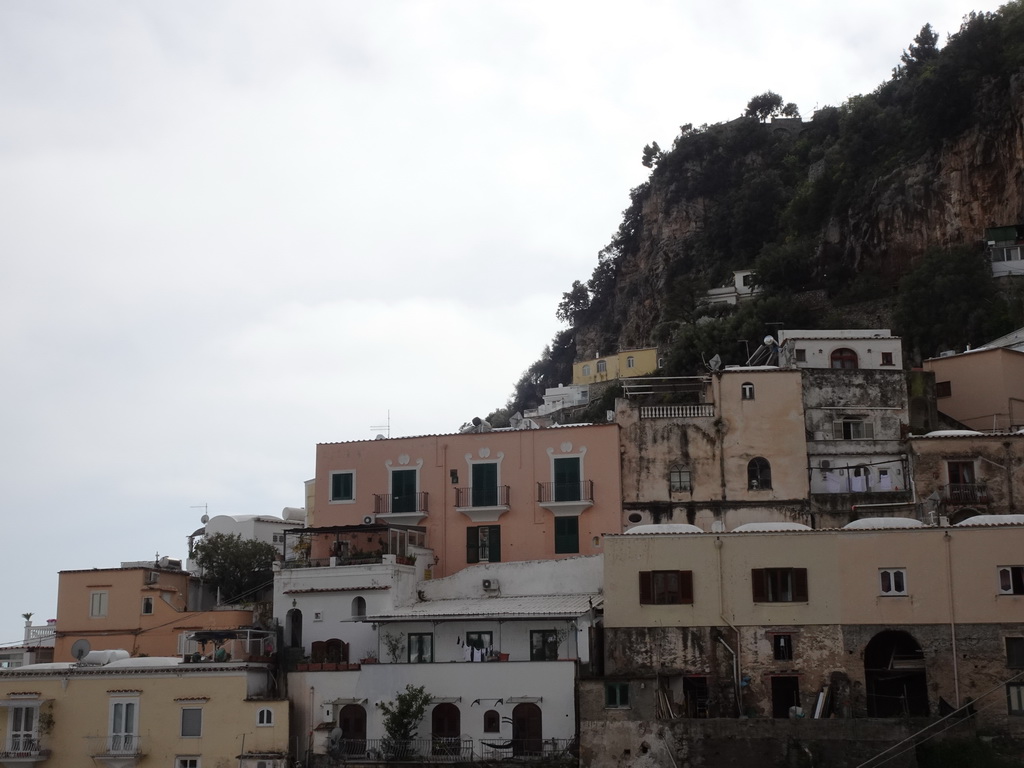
point(679, 479)
point(892, 581)
point(1011, 579)
point(602, 366)
point(23, 735)
point(124, 725)
point(853, 428)
point(586, 370)
point(343, 486)
point(98, 604)
point(631, 362)
point(265, 717)
point(147, 606)
point(1015, 699)
point(187, 762)
point(191, 722)
point(747, 391)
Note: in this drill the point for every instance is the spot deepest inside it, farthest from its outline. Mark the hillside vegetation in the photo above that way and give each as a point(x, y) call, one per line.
point(870, 213)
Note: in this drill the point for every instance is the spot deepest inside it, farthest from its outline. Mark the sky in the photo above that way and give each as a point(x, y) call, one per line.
point(232, 230)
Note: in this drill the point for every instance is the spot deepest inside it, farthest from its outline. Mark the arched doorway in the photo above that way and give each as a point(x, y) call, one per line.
point(894, 676)
point(352, 721)
point(293, 628)
point(445, 728)
point(527, 730)
point(964, 513)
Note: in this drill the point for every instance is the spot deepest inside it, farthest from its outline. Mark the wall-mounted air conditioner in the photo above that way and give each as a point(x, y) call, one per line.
point(490, 585)
point(369, 519)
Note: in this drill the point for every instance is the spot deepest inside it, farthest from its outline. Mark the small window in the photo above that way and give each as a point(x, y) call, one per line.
point(265, 717)
point(567, 535)
point(853, 428)
point(191, 722)
point(759, 474)
point(887, 358)
point(602, 366)
point(343, 486)
point(358, 606)
point(892, 581)
point(779, 585)
point(421, 648)
point(543, 645)
point(747, 391)
point(1011, 579)
point(483, 544)
point(747, 280)
point(480, 640)
point(782, 647)
point(616, 695)
point(187, 762)
point(98, 605)
point(666, 587)
point(492, 721)
point(679, 479)
point(844, 358)
point(318, 615)
point(586, 370)
point(1015, 652)
point(631, 362)
point(147, 606)
point(943, 389)
point(801, 355)
point(1015, 699)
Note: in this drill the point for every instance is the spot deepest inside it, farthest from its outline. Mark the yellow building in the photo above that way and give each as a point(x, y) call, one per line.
point(119, 712)
point(624, 365)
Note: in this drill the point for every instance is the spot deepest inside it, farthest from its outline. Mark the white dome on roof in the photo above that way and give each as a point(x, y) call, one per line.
point(665, 528)
point(952, 433)
point(991, 520)
point(884, 522)
point(767, 527)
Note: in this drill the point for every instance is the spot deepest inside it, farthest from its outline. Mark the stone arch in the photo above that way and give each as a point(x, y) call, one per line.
point(894, 675)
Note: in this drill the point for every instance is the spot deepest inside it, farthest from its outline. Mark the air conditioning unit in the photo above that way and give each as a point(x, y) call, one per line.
point(369, 519)
point(826, 464)
point(490, 585)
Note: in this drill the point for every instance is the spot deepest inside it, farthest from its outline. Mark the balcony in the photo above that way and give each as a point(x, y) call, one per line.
point(117, 750)
point(566, 499)
point(965, 493)
point(23, 750)
point(407, 509)
point(482, 504)
point(695, 411)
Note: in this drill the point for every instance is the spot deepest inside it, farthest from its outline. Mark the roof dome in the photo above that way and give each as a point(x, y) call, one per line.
point(884, 522)
point(665, 528)
point(768, 527)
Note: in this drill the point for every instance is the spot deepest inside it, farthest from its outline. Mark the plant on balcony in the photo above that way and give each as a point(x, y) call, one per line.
point(394, 645)
point(401, 719)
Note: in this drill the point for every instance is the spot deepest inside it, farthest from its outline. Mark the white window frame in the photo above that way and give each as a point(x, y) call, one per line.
point(181, 732)
point(330, 487)
point(188, 762)
point(23, 739)
point(99, 603)
point(747, 390)
point(1009, 570)
point(897, 582)
point(265, 718)
point(123, 725)
point(147, 602)
point(680, 479)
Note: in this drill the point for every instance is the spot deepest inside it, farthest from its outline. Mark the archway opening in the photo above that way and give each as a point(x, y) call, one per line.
point(894, 676)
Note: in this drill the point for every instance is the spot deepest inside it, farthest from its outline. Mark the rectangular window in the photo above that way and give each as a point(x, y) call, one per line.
point(567, 535)
point(892, 581)
point(187, 762)
point(343, 486)
point(679, 480)
point(23, 736)
point(124, 726)
point(666, 587)
point(480, 640)
point(747, 391)
point(147, 606)
point(801, 355)
point(782, 647)
point(602, 366)
point(853, 429)
point(1015, 698)
point(191, 722)
point(98, 605)
point(887, 358)
point(1015, 652)
point(485, 484)
point(543, 645)
point(483, 544)
point(943, 389)
point(779, 585)
point(421, 648)
point(1011, 579)
point(403, 490)
point(616, 695)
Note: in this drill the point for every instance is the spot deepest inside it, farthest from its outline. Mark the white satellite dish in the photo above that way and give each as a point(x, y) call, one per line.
point(80, 648)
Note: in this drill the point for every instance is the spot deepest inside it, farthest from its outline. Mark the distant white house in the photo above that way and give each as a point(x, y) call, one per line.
point(742, 288)
point(37, 648)
point(264, 528)
point(1006, 250)
point(557, 398)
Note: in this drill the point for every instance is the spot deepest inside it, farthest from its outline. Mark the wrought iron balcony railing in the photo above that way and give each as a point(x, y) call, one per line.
point(553, 492)
point(391, 504)
point(493, 496)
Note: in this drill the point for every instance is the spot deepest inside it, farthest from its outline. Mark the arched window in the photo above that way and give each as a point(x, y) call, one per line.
point(492, 721)
point(602, 366)
point(747, 391)
point(679, 479)
point(759, 474)
point(445, 727)
point(844, 358)
point(631, 362)
point(586, 370)
point(359, 606)
point(265, 717)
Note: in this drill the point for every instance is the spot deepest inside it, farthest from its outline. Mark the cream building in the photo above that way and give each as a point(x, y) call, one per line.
point(626, 364)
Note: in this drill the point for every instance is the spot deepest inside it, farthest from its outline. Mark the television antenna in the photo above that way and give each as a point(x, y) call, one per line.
point(386, 427)
point(206, 512)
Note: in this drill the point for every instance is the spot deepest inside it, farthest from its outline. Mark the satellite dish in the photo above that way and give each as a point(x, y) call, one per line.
point(768, 340)
point(204, 519)
point(716, 363)
point(80, 648)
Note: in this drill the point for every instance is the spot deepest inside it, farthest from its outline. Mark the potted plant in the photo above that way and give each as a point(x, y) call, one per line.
point(394, 644)
point(369, 656)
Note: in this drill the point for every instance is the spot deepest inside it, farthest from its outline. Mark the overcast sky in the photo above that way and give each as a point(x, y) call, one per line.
point(232, 230)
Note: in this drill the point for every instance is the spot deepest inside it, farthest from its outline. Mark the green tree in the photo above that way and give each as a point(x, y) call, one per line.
point(765, 105)
point(402, 718)
point(652, 154)
point(574, 303)
point(236, 567)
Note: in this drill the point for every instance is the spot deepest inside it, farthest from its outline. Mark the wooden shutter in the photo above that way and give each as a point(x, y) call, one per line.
point(472, 546)
point(757, 579)
point(646, 588)
point(686, 587)
point(799, 585)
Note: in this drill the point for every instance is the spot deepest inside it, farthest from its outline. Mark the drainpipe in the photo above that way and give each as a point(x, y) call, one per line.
point(721, 606)
point(952, 616)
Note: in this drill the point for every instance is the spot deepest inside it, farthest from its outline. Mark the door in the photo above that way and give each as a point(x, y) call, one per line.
point(352, 721)
point(445, 727)
point(785, 694)
point(567, 479)
point(527, 736)
point(485, 485)
point(403, 490)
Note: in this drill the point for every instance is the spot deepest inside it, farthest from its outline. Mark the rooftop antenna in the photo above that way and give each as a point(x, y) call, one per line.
point(386, 427)
point(206, 512)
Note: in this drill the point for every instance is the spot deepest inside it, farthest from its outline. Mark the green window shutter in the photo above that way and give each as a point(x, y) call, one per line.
point(686, 587)
point(646, 588)
point(567, 535)
point(494, 544)
point(472, 546)
point(567, 479)
point(485, 485)
point(403, 490)
point(800, 585)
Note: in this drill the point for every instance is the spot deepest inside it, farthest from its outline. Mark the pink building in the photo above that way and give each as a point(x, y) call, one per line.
point(503, 495)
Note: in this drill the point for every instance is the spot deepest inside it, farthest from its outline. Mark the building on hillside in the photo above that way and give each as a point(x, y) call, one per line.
point(982, 389)
point(1006, 249)
point(887, 618)
point(37, 647)
point(857, 412)
point(961, 474)
point(120, 712)
point(265, 528)
point(628, 363)
point(499, 649)
point(721, 449)
point(558, 399)
point(498, 495)
point(742, 288)
point(146, 608)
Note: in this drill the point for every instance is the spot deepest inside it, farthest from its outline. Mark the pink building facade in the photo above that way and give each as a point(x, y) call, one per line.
point(493, 496)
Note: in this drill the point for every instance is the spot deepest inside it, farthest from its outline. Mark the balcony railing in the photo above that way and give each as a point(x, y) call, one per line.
point(696, 411)
point(23, 747)
point(554, 492)
point(494, 496)
point(116, 744)
point(966, 493)
point(453, 749)
point(392, 504)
